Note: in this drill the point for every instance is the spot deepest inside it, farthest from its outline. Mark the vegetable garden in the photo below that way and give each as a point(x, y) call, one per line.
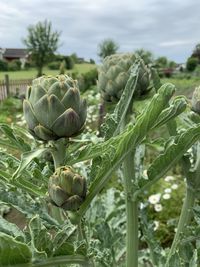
point(98, 178)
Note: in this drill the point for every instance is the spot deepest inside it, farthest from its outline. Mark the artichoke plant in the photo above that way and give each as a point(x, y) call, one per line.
point(196, 100)
point(53, 108)
point(67, 189)
point(114, 74)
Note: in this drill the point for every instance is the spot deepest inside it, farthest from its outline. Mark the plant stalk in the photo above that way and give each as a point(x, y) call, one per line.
point(58, 261)
point(184, 220)
point(58, 153)
point(131, 213)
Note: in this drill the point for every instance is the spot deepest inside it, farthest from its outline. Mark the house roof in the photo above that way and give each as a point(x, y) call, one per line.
point(15, 53)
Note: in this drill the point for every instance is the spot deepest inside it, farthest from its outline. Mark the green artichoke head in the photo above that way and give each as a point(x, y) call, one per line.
point(53, 108)
point(67, 189)
point(196, 100)
point(114, 74)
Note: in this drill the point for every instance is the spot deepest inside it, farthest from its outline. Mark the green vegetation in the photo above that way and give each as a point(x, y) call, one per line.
point(42, 42)
point(32, 73)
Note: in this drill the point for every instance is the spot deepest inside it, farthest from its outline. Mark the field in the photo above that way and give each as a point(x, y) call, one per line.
point(31, 73)
point(132, 169)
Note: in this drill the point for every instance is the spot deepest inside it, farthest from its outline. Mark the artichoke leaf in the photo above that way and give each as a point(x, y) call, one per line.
point(44, 134)
point(67, 124)
point(48, 109)
point(71, 99)
point(36, 93)
point(29, 115)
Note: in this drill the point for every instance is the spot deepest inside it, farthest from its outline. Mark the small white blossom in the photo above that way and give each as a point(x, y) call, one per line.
point(158, 207)
point(154, 199)
point(156, 225)
point(166, 196)
point(145, 173)
point(168, 190)
point(169, 178)
point(174, 186)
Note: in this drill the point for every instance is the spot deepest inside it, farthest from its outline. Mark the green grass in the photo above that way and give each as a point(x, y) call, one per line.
point(31, 73)
point(184, 86)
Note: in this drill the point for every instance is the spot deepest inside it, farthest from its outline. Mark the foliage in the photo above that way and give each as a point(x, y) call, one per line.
point(62, 67)
point(106, 48)
point(146, 55)
point(3, 65)
point(14, 65)
point(42, 42)
point(196, 52)
point(107, 230)
point(87, 80)
point(69, 61)
point(55, 65)
point(191, 63)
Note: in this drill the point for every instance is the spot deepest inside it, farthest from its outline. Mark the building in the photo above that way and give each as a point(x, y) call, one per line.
point(10, 54)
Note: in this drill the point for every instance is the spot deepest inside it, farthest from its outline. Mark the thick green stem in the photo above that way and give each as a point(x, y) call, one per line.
point(58, 261)
point(58, 153)
point(131, 214)
point(183, 220)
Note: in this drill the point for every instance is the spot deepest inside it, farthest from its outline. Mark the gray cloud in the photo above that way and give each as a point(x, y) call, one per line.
point(169, 28)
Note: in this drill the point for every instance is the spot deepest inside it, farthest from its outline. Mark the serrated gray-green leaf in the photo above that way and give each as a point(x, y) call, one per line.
point(40, 239)
point(113, 151)
point(27, 157)
point(133, 133)
point(178, 105)
point(15, 140)
point(11, 229)
point(172, 155)
point(13, 252)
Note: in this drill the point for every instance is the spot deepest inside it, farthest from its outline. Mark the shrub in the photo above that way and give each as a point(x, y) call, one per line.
point(55, 65)
point(88, 79)
point(69, 62)
point(3, 65)
point(62, 67)
point(191, 63)
point(14, 65)
point(92, 61)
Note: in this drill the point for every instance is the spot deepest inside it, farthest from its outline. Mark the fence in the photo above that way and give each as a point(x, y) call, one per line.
point(13, 87)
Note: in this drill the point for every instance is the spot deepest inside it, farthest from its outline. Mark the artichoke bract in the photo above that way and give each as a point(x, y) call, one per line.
point(114, 74)
point(196, 100)
point(53, 108)
point(67, 189)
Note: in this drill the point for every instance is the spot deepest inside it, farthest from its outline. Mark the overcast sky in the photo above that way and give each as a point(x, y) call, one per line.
point(166, 27)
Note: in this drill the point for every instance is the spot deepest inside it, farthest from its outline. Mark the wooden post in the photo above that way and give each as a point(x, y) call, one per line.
point(7, 84)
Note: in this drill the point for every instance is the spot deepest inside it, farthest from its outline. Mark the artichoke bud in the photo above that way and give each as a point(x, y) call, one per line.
point(67, 189)
point(196, 100)
point(114, 74)
point(53, 108)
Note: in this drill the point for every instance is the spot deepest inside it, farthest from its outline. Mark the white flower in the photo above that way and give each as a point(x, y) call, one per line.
point(169, 178)
point(142, 205)
point(166, 196)
point(156, 223)
point(154, 199)
point(174, 186)
point(145, 173)
point(158, 207)
point(168, 190)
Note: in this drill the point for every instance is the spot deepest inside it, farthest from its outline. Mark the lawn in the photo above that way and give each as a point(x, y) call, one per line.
point(184, 86)
point(31, 73)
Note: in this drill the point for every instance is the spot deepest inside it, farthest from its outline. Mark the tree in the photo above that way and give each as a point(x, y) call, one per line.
point(106, 48)
point(41, 42)
point(196, 53)
point(161, 62)
point(146, 55)
point(191, 63)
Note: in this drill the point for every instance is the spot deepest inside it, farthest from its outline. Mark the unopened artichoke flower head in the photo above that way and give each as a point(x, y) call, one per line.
point(67, 189)
point(196, 100)
point(53, 108)
point(114, 74)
